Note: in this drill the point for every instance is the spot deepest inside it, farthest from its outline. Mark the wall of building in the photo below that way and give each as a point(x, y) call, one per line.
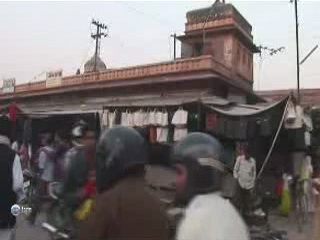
point(220, 47)
point(242, 60)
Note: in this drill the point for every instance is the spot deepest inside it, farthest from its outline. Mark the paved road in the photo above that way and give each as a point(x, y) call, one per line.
point(25, 231)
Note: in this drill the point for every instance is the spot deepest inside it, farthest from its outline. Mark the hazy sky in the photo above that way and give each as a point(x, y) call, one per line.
point(39, 36)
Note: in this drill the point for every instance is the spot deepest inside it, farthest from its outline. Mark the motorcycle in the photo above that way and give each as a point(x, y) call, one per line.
point(267, 234)
point(28, 183)
point(58, 218)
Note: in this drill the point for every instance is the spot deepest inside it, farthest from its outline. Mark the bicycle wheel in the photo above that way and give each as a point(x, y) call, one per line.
point(299, 214)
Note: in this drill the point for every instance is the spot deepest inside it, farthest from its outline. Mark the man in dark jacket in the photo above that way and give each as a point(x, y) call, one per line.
point(11, 180)
point(124, 209)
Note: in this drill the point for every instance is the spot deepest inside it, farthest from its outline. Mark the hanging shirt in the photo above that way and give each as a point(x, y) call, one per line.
point(294, 117)
point(111, 119)
point(179, 133)
point(152, 118)
point(104, 119)
point(211, 217)
point(180, 117)
point(162, 134)
point(245, 171)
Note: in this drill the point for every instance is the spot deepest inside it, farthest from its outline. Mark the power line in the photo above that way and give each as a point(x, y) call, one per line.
point(150, 16)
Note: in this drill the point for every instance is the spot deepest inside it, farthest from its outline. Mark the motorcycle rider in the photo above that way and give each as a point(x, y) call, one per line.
point(208, 216)
point(80, 160)
point(124, 208)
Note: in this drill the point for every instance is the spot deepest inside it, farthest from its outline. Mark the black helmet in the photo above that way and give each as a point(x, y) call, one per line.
point(119, 149)
point(201, 154)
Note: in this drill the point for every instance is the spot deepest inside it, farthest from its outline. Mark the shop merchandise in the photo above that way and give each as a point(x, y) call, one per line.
point(211, 121)
point(162, 134)
point(180, 117)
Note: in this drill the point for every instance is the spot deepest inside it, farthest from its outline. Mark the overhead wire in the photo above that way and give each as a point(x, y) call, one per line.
point(155, 18)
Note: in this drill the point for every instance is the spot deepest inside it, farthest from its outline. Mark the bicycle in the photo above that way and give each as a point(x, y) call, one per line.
point(302, 200)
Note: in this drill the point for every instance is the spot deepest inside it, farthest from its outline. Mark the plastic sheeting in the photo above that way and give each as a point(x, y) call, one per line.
point(241, 110)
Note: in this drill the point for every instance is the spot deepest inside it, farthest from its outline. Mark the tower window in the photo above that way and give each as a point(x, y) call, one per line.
point(198, 48)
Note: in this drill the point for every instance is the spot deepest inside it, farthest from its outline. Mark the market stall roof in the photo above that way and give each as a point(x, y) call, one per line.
point(237, 110)
point(168, 100)
point(43, 112)
point(92, 105)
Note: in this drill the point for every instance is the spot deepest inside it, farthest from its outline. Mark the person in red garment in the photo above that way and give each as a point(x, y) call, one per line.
point(125, 210)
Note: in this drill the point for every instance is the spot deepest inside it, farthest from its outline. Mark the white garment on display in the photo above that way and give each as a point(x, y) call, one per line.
point(152, 118)
point(291, 113)
point(124, 119)
point(179, 133)
point(211, 217)
point(111, 119)
point(307, 138)
point(137, 118)
point(105, 119)
point(145, 118)
point(162, 134)
point(308, 122)
point(130, 119)
point(180, 117)
point(164, 120)
point(297, 122)
point(159, 118)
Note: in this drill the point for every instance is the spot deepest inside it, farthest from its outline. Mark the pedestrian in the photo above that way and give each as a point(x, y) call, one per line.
point(46, 156)
point(245, 172)
point(208, 216)
point(62, 146)
point(124, 208)
point(44, 167)
point(11, 180)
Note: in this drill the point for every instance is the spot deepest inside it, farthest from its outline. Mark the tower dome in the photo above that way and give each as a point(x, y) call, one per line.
point(89, 65)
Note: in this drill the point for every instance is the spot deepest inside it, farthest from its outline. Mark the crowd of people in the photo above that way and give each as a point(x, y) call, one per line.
point(111, 174)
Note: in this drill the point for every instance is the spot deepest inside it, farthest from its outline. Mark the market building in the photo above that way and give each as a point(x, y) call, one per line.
point(219, 64)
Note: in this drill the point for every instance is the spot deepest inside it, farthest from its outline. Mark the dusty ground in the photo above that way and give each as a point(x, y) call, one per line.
point(290, 225)
point(26, 232)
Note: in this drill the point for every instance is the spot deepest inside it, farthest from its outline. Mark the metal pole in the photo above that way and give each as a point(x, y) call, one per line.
point(96, 51)
point(297, 45)
point(175, 46)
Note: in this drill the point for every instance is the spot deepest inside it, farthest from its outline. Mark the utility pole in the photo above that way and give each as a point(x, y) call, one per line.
point(297, 45)
point(99, 34)
point(174, 45)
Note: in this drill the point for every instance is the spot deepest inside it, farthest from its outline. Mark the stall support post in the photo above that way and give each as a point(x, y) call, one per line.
point(199, 112)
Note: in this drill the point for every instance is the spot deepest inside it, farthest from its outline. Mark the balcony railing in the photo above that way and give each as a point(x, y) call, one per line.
point(178, 66)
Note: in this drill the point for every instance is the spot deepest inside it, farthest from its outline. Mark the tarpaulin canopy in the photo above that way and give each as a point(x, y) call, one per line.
point(241, 110)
